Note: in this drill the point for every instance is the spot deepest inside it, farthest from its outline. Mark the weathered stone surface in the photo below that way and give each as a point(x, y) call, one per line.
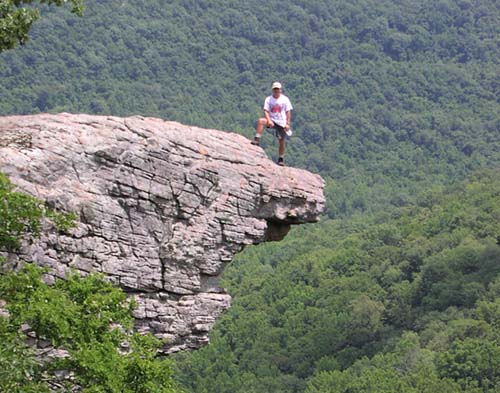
point(162, 208)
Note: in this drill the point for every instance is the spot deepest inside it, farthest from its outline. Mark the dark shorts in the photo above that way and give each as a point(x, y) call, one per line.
point(279, 131)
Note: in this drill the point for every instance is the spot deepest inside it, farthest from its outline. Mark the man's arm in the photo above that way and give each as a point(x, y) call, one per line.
point(288, 119)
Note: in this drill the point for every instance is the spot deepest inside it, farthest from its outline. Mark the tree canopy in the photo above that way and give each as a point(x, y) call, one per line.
point(390, 97)
point(405, 302)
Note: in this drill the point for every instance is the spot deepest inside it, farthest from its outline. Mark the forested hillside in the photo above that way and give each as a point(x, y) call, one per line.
point(389, 96)
point(397, 106)
point(408, 302)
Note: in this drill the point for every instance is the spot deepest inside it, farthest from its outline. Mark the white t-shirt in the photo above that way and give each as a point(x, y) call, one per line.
point(278, 108)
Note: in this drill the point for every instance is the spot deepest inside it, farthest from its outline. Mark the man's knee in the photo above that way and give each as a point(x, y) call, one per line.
point(262, 121)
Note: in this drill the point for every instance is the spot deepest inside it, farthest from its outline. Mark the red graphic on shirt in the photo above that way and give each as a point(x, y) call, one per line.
point(276, 108)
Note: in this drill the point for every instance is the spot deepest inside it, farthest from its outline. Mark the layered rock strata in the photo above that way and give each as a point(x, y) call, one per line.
point(162, 208)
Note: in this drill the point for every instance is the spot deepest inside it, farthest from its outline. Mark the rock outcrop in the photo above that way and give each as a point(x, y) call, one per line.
point(162, 208)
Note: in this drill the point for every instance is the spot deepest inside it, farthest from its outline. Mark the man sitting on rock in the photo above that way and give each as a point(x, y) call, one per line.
point(277, 115)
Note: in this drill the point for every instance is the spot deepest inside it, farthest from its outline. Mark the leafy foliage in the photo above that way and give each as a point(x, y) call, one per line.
point(16, 19)
point(19, 370)
point(21, 214)
point(86, 316)
point(89, 318)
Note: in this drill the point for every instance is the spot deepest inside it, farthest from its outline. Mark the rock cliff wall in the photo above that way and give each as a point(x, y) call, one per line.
point(162, 208)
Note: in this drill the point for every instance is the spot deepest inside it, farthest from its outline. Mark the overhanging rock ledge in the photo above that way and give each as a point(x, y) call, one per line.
point(162, 208)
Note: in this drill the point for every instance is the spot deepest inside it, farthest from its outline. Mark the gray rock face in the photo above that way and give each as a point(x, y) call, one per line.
point(162, 208)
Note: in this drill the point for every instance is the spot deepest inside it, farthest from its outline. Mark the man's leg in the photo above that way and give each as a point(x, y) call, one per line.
point(258, 130)
point(281, 151)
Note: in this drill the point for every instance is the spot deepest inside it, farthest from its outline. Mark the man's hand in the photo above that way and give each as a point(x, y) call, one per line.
point(287, 127)
point(270, 124)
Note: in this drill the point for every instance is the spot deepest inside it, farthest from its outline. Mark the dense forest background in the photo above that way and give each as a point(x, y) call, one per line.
point(389, 96)
point(406, 302)
point(397, 106)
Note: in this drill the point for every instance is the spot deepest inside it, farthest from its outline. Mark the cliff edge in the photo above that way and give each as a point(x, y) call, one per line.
point(162, 208)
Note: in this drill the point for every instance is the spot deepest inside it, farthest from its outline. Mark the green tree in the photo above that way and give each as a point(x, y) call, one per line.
point(473, 363)
point(17, 17)
point(87, 317)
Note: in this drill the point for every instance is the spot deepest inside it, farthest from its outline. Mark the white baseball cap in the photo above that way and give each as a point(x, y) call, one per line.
point(276, 85)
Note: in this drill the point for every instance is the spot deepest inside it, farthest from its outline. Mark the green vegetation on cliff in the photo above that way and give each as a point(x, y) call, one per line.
point(87, 320)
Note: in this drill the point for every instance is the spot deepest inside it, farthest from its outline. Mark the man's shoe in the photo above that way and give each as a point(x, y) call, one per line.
point(256, 141)
point(281, 162)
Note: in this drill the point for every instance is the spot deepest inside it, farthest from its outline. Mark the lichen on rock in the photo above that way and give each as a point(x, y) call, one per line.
point(162, 208)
